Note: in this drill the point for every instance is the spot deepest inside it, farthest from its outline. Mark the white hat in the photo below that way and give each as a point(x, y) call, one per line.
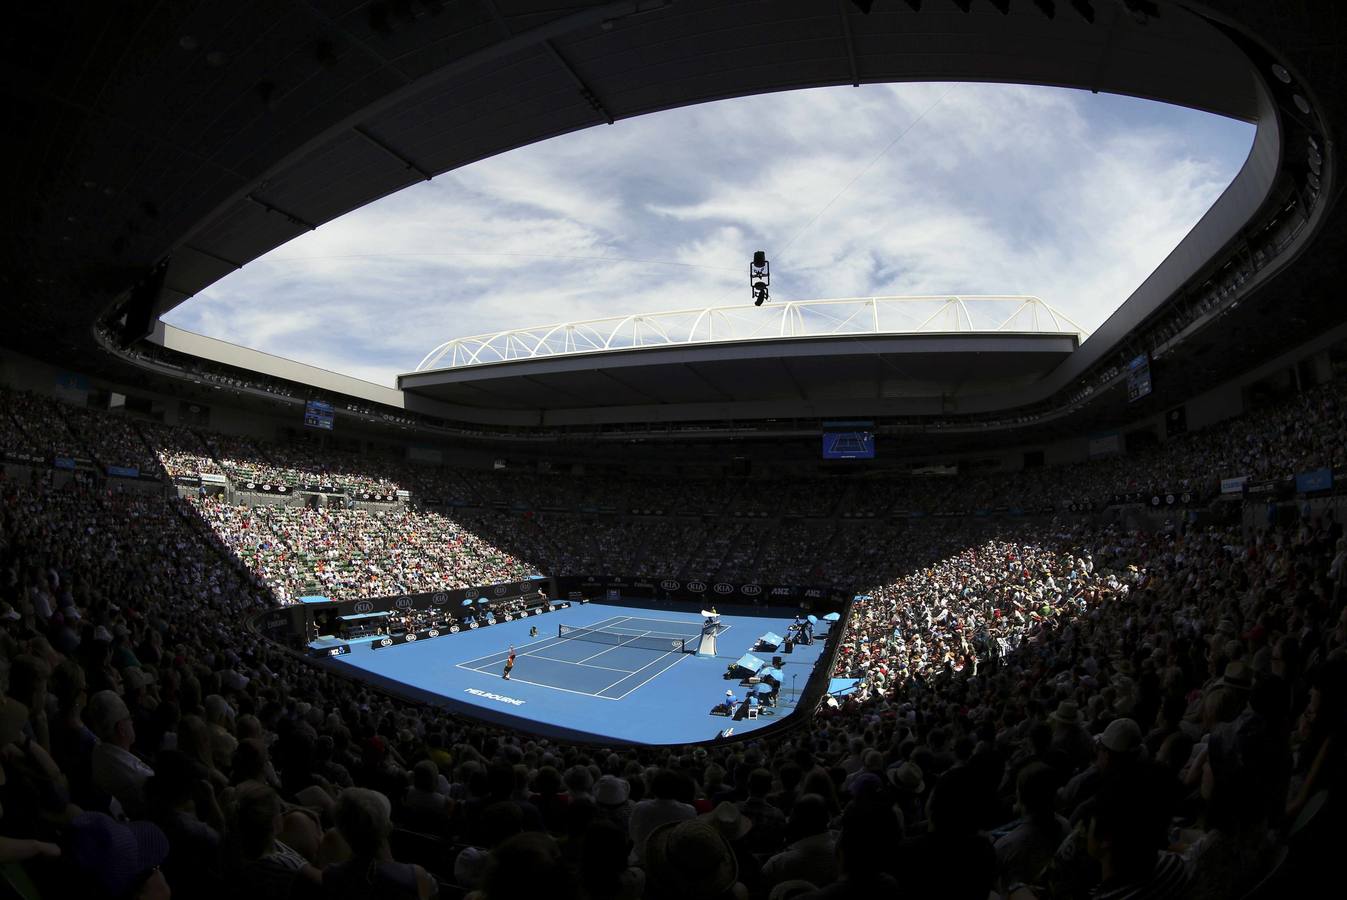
point(611, 790)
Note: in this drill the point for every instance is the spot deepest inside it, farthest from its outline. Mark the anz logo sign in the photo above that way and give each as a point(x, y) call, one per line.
point(696, 587)
point(364, 606)
point(723, 588)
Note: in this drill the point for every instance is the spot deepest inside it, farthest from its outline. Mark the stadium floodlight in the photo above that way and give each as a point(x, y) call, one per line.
point(759, 277)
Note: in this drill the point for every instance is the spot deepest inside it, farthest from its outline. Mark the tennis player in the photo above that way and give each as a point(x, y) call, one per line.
point(509, 664)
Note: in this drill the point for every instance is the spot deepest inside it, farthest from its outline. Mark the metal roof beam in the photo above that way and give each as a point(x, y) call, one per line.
point(585, 90)
point(848, 42)
point(406, 162)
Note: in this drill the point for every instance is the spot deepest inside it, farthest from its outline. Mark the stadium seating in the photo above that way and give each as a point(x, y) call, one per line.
point(1017, 680)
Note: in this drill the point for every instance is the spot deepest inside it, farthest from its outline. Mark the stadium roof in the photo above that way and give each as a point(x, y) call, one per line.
point(853, 356)
point(163, 146)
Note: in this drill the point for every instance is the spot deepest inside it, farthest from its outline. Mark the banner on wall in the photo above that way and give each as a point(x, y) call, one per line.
point(1314, 481)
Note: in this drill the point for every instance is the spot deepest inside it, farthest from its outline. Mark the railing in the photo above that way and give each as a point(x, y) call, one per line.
point(790, 319)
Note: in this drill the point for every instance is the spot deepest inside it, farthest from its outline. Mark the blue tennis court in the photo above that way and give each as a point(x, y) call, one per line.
point(621, 654)
point(627, 683)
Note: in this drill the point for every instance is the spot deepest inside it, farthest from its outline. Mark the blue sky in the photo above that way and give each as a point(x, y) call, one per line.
point(870, 191)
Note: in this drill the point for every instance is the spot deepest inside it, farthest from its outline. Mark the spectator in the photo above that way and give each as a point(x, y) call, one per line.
point(369, 870)
point(116, 771)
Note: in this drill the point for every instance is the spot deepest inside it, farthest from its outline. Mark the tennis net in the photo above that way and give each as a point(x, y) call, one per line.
point(653, 641)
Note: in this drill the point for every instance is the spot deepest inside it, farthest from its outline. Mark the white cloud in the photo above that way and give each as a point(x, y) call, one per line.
point(912, 189)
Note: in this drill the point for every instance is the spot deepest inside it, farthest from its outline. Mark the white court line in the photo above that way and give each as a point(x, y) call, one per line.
point(586, 665)
point(501, 655)
point(634, 637)
point(534, 683)
point(643, 668)
point(656, 674)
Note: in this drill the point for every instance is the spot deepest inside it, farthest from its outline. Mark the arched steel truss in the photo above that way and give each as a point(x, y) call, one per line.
point(790, 319)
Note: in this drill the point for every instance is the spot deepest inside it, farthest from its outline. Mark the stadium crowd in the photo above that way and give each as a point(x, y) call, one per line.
point(1042, 709)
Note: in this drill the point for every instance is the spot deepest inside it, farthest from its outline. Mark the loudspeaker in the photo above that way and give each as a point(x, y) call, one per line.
point(142, 305)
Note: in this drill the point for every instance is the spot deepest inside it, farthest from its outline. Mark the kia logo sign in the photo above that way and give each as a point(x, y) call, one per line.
point(402, 602)
point(470, 595)
point(453, 629)
point(500, 590)
point(473, 625)
point(723, 588)
point(411, 637)
point(751, 590)
point(509, 618)
point(252, 485)
point(669, 585)
point(433, 633)
point(440, 599)
point(523, 586)
point(363, 606)
point(696, 587)
point(386, 642)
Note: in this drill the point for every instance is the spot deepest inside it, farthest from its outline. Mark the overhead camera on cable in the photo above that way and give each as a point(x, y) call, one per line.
point(759, 277)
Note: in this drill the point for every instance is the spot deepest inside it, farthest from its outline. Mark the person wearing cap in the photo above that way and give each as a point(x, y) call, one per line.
point(1117, 748)
point(1069, 736)
point(612, 795)
point(115, 770)
point(119, 860)
point(691, 859)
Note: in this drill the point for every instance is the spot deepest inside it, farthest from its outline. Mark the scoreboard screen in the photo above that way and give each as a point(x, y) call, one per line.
point(1139, 377)
point(848, 440)
point(318, 414)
